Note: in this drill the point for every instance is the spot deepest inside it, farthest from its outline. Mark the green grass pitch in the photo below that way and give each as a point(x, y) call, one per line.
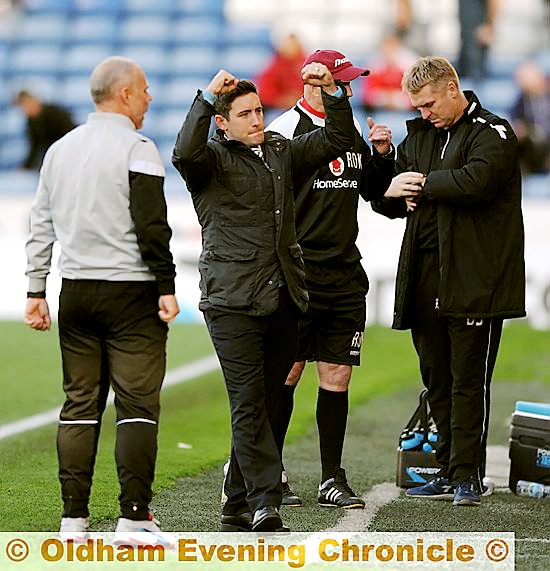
point(383, 392)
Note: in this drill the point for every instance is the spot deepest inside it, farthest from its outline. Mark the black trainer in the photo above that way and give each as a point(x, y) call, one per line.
point(467, 493)
point(267, 518)
point(336, 493)
point(236, 522)
point(289, 497)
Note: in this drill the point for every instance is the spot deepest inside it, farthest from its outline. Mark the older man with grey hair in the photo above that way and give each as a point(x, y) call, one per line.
point(100, 194)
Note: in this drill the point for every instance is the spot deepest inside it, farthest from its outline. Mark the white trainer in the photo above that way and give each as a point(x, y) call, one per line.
point(225, 470)
point(488, 486)
point(74, 528)
point(142, 532)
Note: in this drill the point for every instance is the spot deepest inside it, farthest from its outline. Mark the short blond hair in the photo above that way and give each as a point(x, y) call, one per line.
point(431, 70)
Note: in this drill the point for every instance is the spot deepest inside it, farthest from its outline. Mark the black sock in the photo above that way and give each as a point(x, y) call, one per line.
point(332, 417)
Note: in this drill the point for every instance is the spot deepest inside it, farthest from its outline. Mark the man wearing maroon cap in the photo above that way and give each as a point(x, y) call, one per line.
point(331, 332)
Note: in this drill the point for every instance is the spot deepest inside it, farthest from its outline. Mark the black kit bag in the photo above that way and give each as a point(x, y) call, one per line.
point(416, 463)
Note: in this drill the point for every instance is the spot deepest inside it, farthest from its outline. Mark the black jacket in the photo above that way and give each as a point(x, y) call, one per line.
point(245, 206)
point(45, 129)
point(477, 195)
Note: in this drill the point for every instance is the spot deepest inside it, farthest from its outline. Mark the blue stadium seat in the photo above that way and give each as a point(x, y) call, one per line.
point(4, 54)
point(42, 28)
point(147, 7)
point(498, 95)
point(178, 93)
point(151, 124)
point(45, 86)
point(13, 151)
point(13, 122)
point(174, 185)
point(170, 122)
point(17, 182)
point(81, 59)
point(196, 31)
point(247, 35)
point(35, 59)
point(13, 142)
point(245, 61)
point(197, 61)
point(112, 7)
point(4, 96)
point(536, 186)
point(153, 59)
point(499, 67)
point(200, 7)
point(145, 30)
point(75, 92)
point(47, 6)
point(93, 29)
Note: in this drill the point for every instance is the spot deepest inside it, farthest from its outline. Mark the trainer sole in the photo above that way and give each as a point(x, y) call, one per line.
point(466, 503)
point(441, 497)
point(350, 507)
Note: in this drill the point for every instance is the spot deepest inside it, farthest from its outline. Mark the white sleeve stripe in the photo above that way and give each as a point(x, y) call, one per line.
point(147, 167)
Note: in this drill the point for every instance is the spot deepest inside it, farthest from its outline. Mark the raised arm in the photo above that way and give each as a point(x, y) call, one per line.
point(312, 150)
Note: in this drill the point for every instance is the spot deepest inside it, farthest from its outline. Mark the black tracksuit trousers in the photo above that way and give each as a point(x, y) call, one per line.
point(256, 354)
point(111, 336)
point(457, 357)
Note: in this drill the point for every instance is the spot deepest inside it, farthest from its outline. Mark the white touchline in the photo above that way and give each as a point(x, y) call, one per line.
point(176, 376)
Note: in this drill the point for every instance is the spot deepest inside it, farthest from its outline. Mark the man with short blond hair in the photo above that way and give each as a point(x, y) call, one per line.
point(461, 269)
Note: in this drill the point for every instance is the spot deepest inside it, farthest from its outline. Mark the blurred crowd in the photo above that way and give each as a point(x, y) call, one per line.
point(402, 45)
point(406, 32)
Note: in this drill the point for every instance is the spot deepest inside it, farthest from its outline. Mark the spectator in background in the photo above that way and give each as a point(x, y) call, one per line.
point(531, 118)
point(46, 123)
point(477, 18)
point(382, 88)
point(280, 84)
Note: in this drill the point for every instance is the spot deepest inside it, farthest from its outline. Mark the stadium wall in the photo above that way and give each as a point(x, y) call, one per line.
point(379, 242)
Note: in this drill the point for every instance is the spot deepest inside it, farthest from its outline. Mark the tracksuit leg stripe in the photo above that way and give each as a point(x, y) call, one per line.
point(129, 420)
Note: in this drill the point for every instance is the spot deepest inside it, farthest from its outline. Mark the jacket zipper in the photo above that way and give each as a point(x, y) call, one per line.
point(445, 145)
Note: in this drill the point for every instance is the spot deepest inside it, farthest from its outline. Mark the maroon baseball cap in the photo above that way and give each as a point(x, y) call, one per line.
point(338, 64)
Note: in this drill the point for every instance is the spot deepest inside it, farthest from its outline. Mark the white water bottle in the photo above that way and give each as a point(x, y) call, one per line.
point(532, 489)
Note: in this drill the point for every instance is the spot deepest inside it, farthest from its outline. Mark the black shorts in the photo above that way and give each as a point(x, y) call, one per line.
point(332, 329)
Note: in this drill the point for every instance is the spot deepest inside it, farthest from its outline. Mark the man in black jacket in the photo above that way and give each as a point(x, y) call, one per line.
point(461, 267)
point(252, 273)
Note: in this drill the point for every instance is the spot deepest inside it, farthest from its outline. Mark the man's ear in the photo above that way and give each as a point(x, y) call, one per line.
point(125, 94)
point(221, 122)
point(453, 89)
